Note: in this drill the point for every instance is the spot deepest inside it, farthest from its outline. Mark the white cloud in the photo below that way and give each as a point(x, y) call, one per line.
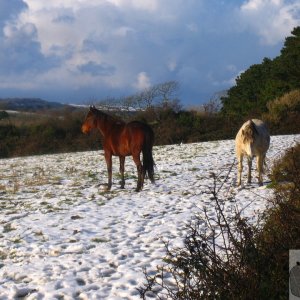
point(123, 31)
point(272, 20)
point(172, 65)
point(142, 81)
point(148, 5)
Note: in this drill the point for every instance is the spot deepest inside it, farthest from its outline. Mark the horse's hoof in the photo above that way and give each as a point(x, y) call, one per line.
point(107, 188)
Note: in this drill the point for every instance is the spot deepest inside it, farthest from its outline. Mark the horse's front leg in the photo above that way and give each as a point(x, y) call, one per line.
point(122, 169)
point(137, 161)
point(240, 169)
point(108, 160)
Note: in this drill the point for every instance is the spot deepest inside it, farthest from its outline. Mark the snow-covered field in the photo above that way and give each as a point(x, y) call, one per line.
point(63, 237)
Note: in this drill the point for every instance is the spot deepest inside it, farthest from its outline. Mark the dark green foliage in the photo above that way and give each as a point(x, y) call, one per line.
point(9, 136)
point(173, 127)
point(3, 115)
point(41, 134)
point(264, 82)
point(281, 231)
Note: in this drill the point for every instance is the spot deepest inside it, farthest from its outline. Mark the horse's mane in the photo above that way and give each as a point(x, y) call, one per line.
point(106, 117)
point(249, 131)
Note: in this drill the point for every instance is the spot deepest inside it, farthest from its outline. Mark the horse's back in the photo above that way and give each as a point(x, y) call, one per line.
point(140, 131)
point(130, 139)
point(261, 139)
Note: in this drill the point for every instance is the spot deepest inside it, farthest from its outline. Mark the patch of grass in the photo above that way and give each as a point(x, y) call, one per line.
point(185, 193)
point(16, 240)
point(66, 201)
point(50, 209)
point(57, 180)
point(100, 203)
point(194, 169)
point(99, 240)
point(166, 171)
point(78, 194)
point(92, 175)
point(39, 233)
point(49, 195)
point(76, 217)
point(8, 228)
point(72, 241)
point(3, 255)
point(71, 170)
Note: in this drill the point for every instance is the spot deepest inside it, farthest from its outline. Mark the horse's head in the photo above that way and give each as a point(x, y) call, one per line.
point(249, 132)
point(90, 120)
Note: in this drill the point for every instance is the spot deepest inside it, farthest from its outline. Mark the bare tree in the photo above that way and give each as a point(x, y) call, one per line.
point(167, 92)
point(161, 95)
point(148, 96)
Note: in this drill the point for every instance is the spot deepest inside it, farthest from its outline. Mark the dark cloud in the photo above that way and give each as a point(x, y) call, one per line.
point(19, 49)
point(20, 52)
point(10, 8)
point(94, 44)
point(95, 69)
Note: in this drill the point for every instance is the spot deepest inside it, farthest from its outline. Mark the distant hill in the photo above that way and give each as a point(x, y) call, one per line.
point(28, 104)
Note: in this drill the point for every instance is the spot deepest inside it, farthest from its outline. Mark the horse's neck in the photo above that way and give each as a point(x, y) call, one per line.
point(105, 125)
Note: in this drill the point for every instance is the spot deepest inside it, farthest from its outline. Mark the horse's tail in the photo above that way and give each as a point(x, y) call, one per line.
point(148, 162)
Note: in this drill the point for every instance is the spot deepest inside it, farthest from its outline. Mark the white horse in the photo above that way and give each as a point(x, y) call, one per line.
point(253, 139)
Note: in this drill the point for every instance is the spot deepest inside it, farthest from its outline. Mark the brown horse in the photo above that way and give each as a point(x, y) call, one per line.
point(123, 139)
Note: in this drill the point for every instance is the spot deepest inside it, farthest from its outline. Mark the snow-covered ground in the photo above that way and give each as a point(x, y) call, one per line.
point(63, 237)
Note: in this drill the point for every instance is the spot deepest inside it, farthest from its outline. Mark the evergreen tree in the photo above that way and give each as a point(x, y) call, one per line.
point(264, 82)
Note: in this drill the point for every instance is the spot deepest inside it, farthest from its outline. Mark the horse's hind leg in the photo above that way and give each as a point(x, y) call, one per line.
point(140, 182)
point(109, 169)
point(260, 161)
point(122, 169)
point(249, 168)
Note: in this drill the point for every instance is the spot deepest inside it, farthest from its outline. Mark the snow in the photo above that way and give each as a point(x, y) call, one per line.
point(64, 237)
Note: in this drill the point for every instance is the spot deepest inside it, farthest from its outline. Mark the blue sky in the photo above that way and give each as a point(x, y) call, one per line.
point(83, 50)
